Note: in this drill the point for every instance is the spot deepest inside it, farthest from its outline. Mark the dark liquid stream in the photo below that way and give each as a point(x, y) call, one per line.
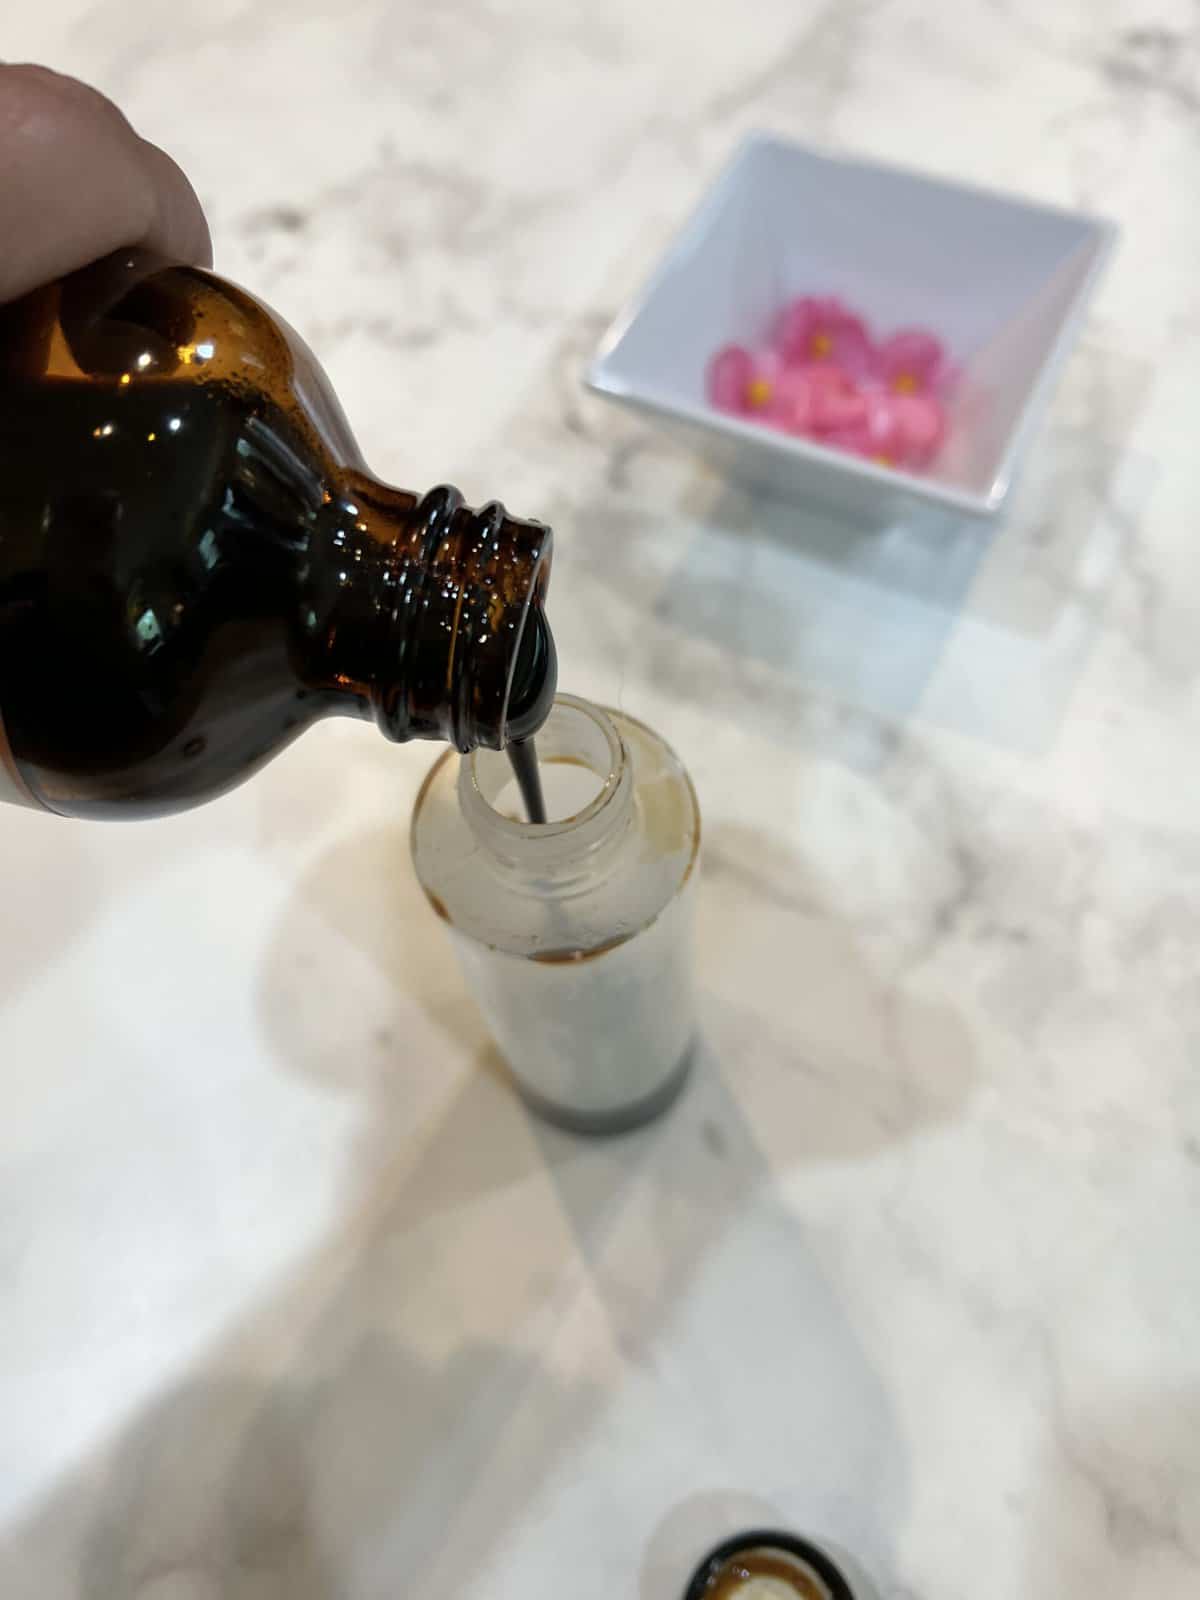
point(522, 755)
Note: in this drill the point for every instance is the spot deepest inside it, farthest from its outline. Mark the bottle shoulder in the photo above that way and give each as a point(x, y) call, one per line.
point(162, 590)
point(135, 319)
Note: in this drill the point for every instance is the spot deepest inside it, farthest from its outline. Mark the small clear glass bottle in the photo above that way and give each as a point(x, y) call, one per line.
point(574, 936)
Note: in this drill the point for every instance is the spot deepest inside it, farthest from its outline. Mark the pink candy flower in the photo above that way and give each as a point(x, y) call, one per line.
point(730, 373)
point(876, 436)
point(816, 328)
point(743, 383)
point(821, 378)
point(897, 430)
point(921, 427)
point(816, 399)
point(912, 361)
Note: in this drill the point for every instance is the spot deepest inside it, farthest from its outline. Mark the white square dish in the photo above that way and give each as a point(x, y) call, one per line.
point(1003, 282)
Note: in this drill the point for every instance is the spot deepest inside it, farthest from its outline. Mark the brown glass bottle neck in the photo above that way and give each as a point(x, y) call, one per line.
point(428, 612)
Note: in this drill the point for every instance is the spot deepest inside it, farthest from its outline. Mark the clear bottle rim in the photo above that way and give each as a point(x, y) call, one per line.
point(575, 730)
point(582, 885)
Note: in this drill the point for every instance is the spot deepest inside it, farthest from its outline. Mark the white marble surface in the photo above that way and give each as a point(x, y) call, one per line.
point(297, 1301)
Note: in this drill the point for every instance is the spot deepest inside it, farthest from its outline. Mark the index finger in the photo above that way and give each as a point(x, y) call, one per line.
point(76, 182)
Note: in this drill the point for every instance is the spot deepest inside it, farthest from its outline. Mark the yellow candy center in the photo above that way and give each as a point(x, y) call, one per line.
point(758, 392)
point(820, 344)
point(904, 383)
point(884, 460)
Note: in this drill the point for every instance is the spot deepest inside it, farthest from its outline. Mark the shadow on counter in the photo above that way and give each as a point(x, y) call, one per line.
point(513, 1340)
point(982, 628)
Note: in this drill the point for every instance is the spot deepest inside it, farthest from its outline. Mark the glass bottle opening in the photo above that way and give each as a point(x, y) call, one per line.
point(585, 779)
point(768, 1563)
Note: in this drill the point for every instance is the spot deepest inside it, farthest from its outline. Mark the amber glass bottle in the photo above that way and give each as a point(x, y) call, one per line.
point(195, 564)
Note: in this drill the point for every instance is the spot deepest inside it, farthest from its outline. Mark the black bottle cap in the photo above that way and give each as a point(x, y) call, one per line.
point(768, 1554)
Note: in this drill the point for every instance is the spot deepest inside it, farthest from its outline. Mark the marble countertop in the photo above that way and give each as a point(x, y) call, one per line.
point(297, 1300)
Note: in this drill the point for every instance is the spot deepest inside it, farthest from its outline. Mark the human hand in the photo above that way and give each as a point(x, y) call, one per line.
point(76, 182)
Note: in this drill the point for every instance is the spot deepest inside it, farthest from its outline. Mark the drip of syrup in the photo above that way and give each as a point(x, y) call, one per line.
point(522, 755)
